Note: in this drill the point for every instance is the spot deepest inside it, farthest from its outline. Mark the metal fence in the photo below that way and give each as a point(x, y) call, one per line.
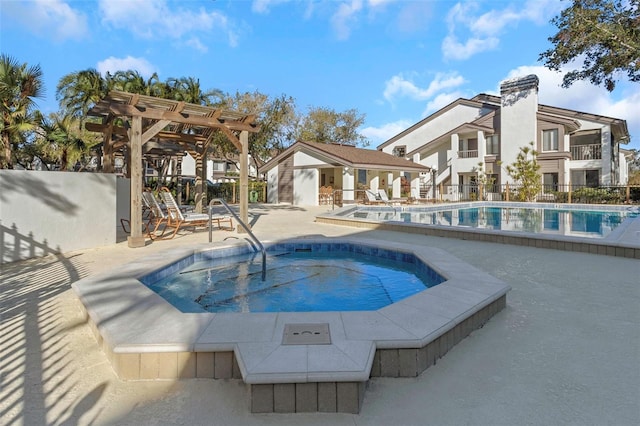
point(557, 193)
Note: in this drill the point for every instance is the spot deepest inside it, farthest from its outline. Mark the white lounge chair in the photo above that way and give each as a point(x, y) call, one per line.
point(372, 198)
point(157, 216)
point(176, 219)
point(382, 194)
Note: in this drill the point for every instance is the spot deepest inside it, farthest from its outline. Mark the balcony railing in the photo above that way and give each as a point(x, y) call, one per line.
point(586, 152)
point(468, 154)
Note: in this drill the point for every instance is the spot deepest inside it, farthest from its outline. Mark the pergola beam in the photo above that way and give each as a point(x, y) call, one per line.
point(179, 117)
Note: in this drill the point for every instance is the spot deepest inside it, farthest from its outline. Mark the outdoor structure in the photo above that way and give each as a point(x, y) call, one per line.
point(145, 124)
point(297, 174)
point(488, 131)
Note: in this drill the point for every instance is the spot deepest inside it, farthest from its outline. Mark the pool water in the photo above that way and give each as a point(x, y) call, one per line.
point(295, 282)
point(583, 223)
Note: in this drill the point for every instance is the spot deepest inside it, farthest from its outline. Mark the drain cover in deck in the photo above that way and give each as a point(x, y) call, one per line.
point(306, 334)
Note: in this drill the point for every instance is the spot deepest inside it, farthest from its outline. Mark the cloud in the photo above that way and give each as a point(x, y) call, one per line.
point(344, 17)
point(441, 101)
point(53, 19)
point(399, 86)
point(196, 44)
point(453, 49)
point(156, 19)
point(484, 28)
point(380, 134)
point(585, 97)
point(263, 6)
point(112, 64)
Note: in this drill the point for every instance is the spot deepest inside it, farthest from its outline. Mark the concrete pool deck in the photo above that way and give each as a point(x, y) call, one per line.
point(564, 350)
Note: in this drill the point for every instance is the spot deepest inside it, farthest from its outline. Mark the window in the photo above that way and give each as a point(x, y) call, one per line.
point(590, 178)
point(400, 151)
point(493, 145)
point(550, 140)
point(550, 182)
point(219, 166)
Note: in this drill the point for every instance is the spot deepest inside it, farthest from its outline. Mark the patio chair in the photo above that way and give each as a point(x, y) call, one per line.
point(372, 198)
point(151, 213)
point(157, 216)
point(176, 219)
point(382, 194)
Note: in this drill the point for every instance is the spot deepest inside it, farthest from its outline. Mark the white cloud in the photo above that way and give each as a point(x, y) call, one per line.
point(155, 18)
point(485, 28)
point(197, 44)
point(453, 49)
point(441, 101)
point(54, 19)
point(112, 64)
point(263, 6)
point(399, 86)
point(344, 18)
point(377, 135)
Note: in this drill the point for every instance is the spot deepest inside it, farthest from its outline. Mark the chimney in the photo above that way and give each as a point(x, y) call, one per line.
point(518, 117)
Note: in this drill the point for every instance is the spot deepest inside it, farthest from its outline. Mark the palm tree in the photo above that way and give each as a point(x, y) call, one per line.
point(188, 89)
point(79, 91)
point(20, 84)
point(129, 81)
point(62, 142)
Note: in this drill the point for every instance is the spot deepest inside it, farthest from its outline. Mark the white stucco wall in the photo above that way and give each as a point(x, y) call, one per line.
point(306, 187)
point(518, 125)
point(52, 212)
point(272, 185)
point(436, 127)
point(302, 159)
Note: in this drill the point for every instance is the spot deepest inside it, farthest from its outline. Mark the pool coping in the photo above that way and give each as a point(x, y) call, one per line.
point(132, 319)
point(624, 241)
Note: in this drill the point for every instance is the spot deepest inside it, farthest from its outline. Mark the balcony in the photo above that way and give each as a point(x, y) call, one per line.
point(468, 154)
point(586, 152)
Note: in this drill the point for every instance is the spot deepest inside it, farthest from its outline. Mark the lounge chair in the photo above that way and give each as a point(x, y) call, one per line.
point(382, 194)
point(372, 198)
point(176, 219)
point(157, 216)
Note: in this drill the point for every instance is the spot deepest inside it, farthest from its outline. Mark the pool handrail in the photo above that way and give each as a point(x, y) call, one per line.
point(244, 225)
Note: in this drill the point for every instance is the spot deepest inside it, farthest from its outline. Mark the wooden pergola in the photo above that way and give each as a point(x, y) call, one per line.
point(130, 121)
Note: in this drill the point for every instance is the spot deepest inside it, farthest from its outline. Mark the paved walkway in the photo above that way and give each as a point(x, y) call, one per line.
point(566, 349)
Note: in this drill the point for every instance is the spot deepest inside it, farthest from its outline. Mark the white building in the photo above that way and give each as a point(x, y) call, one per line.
point(573, 147)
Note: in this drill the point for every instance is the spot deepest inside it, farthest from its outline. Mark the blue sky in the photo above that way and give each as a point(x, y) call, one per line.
point(394, 61)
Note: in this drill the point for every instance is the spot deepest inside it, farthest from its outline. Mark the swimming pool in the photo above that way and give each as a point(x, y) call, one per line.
point(301, 278)
point(587, 223)
point(598, 229)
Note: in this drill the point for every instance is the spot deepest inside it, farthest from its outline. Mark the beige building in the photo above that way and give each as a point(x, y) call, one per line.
point(488, 131)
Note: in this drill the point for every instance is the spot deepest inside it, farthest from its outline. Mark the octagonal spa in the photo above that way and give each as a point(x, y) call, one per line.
point(315, 359)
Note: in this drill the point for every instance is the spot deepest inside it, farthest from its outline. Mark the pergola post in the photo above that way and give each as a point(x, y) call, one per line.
point(244, 179)
point(136, 239)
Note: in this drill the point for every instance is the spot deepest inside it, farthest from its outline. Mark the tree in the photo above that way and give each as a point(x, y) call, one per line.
point(525, 173)
point(187, 89)
point(78, 91)
point(20, 85)
point(325, 125)
point(64, 142)
point(604, 34)
point(276, 118)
